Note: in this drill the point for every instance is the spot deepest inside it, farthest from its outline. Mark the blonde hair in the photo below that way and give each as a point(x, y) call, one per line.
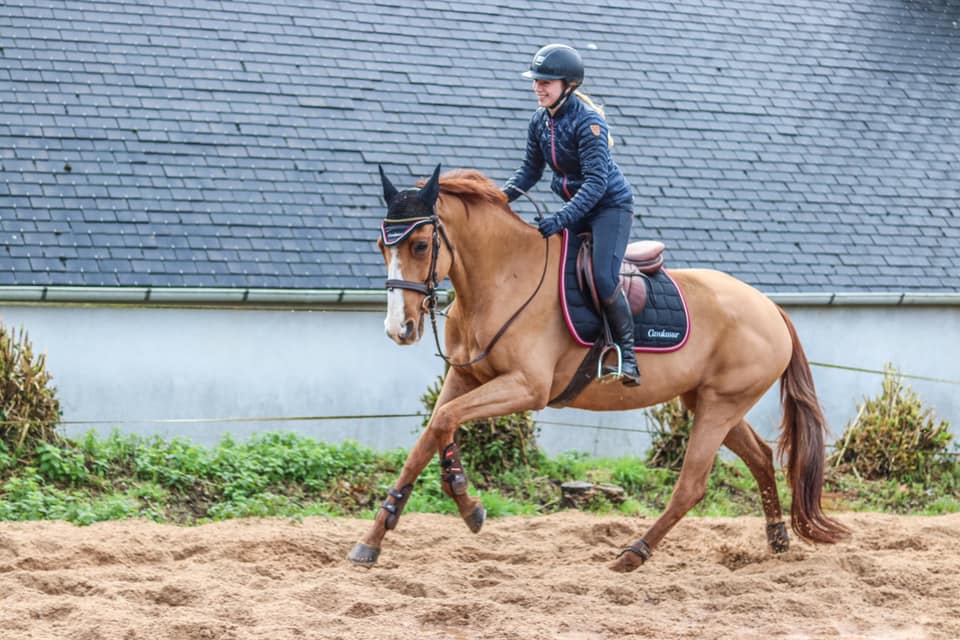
point(599, 109)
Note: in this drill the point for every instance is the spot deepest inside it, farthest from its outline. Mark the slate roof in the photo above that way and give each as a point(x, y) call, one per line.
point(802, 145)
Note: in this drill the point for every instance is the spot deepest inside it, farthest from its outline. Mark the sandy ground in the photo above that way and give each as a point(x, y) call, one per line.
point(544, 577)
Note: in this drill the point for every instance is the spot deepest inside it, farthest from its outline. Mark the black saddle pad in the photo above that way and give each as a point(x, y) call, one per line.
point(663, 325)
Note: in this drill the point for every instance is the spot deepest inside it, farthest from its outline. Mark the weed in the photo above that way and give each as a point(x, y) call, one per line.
point(894, 436)
point(668, 443)
point(29, 409)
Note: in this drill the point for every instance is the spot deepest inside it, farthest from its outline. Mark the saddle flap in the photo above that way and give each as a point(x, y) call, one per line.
point(635, 289)
point(585, 270)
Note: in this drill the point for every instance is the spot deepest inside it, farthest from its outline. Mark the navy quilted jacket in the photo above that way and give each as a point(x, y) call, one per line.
point(574, 143)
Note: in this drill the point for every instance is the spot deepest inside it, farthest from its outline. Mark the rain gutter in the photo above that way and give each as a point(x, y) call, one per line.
point(377, 297)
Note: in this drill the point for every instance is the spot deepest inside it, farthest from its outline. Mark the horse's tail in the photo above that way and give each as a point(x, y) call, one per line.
point(802, 446)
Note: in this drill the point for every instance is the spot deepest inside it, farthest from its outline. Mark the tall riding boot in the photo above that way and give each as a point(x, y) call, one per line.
point(620, 319)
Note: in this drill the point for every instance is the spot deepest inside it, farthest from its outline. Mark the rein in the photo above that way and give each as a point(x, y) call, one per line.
point(429, 288)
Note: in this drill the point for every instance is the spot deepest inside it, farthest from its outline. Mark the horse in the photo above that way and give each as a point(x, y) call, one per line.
point(511, 351)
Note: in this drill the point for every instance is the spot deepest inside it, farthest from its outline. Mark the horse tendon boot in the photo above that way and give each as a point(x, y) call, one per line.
point(453, 476)
point(395, 508)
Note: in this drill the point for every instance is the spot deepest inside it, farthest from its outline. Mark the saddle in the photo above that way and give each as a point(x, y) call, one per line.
point(641, 259)
point(661, 323)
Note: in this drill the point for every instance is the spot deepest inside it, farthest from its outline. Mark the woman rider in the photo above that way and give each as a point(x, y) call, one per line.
point(569, 132)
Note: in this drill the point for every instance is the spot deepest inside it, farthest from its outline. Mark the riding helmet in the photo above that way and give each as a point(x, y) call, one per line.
point(557, 62)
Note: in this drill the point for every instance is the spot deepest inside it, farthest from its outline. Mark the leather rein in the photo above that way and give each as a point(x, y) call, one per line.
point(429, 289)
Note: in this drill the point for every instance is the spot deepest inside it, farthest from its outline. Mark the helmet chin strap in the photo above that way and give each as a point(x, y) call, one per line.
point(567, 90)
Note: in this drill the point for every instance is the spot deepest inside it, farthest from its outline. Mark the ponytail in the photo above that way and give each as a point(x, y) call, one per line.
point(599, 109)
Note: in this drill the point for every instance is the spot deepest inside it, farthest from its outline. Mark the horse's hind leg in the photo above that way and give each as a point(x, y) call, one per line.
point(758, 456)
point(711, 425)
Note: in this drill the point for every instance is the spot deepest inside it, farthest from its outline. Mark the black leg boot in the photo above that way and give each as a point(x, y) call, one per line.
point(621, 327)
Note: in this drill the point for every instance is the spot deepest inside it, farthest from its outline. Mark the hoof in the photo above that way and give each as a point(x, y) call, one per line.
point(364, 555)
point(476, 519)
point(631, 558)
point(626, 563)
point(777, 537)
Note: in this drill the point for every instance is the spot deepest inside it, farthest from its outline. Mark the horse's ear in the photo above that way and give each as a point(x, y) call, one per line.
point(389, 191)
point(431, 190)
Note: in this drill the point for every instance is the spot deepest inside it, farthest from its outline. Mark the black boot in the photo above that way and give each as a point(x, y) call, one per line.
point(620, 319)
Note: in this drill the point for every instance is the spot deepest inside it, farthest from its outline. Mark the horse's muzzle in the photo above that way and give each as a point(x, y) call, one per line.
point(410, 332)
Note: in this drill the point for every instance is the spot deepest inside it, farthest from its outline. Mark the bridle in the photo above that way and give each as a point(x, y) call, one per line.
point(429, 290)
point(429, 287)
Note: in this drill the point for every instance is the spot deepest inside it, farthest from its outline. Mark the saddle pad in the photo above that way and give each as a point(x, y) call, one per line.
point(663, 325)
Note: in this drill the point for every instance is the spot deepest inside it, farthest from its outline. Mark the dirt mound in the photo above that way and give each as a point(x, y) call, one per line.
point(527, 578)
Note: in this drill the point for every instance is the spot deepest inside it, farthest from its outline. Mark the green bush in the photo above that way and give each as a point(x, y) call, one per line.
point(894, 436)
point(492, 446)
point(29, 409)
point(671, 432)
point(292, 476)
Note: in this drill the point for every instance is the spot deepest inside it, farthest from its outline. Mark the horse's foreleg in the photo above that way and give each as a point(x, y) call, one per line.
point(460, 400)
point(706, 436)
point(758, 456)
point(453, 481)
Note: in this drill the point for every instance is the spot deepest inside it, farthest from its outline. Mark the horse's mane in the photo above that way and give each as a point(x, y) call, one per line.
point(474, 187)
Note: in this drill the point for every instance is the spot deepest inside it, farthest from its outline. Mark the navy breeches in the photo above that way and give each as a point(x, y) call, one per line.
point(611, 232)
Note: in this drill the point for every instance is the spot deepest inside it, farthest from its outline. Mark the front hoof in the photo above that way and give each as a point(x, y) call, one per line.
point(364, 555)
point(476, 519)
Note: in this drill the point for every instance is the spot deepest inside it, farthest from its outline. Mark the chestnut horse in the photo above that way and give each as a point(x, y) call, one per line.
point(511, 351)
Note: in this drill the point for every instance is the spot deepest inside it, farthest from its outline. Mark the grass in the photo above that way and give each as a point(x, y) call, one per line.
point(98, 478)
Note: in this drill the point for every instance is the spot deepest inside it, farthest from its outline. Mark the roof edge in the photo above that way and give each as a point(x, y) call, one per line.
point(866, 298)
point(189, 296)
point(312, 297)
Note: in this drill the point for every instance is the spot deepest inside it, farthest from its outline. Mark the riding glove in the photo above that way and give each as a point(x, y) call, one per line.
point(550, 225)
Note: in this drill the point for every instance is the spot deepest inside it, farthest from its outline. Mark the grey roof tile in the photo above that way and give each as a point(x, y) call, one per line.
point(756, 135)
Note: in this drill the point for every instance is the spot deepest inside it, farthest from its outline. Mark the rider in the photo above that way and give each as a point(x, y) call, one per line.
point(569, 132)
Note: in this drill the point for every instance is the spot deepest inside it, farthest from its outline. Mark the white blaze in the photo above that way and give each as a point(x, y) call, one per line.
point(393, 323)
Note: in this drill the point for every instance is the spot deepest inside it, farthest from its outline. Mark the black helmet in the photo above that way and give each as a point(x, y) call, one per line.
point(557, 62)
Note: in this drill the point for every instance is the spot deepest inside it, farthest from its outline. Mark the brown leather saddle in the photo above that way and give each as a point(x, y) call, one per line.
point(642, 258)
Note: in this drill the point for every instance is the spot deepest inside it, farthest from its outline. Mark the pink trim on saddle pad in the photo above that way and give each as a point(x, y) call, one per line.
point(573, 330)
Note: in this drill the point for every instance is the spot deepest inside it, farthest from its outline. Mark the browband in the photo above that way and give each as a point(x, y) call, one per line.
point(394, 230)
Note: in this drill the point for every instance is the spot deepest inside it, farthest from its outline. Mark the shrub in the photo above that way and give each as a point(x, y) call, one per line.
point(893, 436)
point(492, 446)
point(668, 442)
point(29, 409)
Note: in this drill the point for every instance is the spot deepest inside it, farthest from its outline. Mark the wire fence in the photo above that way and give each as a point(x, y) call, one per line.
point(418, 415)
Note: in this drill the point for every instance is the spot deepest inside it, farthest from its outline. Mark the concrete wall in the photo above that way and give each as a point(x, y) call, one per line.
point(127, 366)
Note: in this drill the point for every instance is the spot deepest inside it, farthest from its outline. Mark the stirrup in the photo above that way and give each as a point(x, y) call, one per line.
point(612, 374)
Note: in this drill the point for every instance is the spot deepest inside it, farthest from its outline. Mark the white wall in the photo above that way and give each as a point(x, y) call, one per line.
point(922, 341)
point(131, 365)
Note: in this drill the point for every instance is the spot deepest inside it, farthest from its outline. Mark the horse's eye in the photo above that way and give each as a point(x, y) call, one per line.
point(420, 247)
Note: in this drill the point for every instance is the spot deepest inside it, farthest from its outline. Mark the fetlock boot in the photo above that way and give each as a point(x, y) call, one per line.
point(620, 319)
